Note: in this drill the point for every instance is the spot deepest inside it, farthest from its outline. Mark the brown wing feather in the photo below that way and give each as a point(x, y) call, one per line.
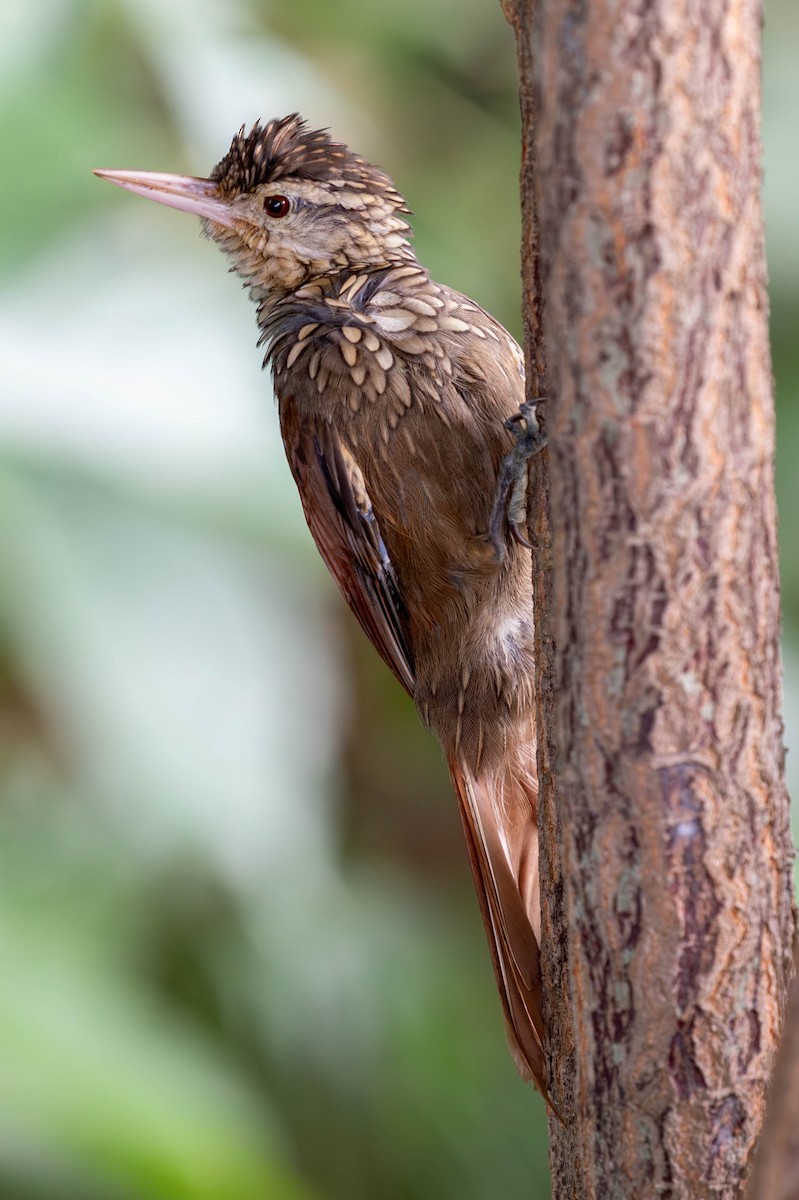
point(343, 524)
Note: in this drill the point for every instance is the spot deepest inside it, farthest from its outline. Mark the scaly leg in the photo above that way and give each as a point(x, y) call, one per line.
point(510, 497)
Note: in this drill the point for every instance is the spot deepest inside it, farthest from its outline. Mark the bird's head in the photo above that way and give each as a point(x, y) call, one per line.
point(287, 204)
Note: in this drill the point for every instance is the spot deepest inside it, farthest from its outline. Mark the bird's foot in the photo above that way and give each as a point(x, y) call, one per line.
point(510, 497)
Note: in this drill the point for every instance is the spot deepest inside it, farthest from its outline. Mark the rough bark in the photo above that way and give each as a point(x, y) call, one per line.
point(667, 864)
point(776, 1170)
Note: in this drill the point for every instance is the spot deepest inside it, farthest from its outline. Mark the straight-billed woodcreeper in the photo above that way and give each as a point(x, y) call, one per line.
point(395, 396)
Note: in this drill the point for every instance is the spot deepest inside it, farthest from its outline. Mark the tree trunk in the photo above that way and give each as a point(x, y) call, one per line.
point(776, 1170)
point(666, 849)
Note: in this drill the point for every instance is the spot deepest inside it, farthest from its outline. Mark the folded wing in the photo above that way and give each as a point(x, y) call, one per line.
point(344, 526)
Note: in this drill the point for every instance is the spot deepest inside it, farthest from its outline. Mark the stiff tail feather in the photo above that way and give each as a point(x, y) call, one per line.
point(498, 811)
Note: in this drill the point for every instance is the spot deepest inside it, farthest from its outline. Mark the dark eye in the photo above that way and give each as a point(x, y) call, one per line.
point(277, 206)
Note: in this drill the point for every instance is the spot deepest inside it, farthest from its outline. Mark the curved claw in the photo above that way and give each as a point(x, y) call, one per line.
point(520, 537)
point(510, 498)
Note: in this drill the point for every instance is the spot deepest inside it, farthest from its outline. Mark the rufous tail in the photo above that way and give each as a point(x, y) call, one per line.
point(498, 810)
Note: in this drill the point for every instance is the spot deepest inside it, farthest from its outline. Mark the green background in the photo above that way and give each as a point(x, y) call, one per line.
point(239, 953)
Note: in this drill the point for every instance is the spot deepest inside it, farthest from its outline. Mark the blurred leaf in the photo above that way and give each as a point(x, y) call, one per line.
point(94, 1072)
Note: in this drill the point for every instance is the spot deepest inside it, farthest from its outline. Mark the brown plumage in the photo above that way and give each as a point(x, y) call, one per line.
point(392, 392)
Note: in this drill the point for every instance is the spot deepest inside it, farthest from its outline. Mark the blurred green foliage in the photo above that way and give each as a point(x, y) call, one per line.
point(239, 952)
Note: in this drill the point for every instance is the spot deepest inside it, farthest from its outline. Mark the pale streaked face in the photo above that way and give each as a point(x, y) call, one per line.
point(287, 232)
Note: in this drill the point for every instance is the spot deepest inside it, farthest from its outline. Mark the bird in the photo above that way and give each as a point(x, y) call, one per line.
point(397, 399)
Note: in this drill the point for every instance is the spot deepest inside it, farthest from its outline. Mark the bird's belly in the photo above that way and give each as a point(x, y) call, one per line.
point(471, 631)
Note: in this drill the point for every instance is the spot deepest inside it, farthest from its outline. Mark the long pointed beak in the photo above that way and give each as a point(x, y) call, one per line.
point(186, 192)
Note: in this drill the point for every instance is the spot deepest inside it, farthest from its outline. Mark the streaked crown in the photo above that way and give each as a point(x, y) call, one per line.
point(286, 148)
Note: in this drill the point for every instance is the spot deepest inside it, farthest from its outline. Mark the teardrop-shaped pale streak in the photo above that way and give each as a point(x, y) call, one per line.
point(377, 377)
point(455, 324)
point(417, 304)
point(395, 320)
point(405, 272)
point(386, 299)
point(413, 344)
point(401, 388)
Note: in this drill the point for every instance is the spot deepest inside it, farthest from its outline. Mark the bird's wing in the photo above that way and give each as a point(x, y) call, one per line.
point(343, 524)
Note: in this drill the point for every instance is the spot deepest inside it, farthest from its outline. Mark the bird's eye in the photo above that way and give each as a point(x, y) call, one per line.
point(277, 206)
